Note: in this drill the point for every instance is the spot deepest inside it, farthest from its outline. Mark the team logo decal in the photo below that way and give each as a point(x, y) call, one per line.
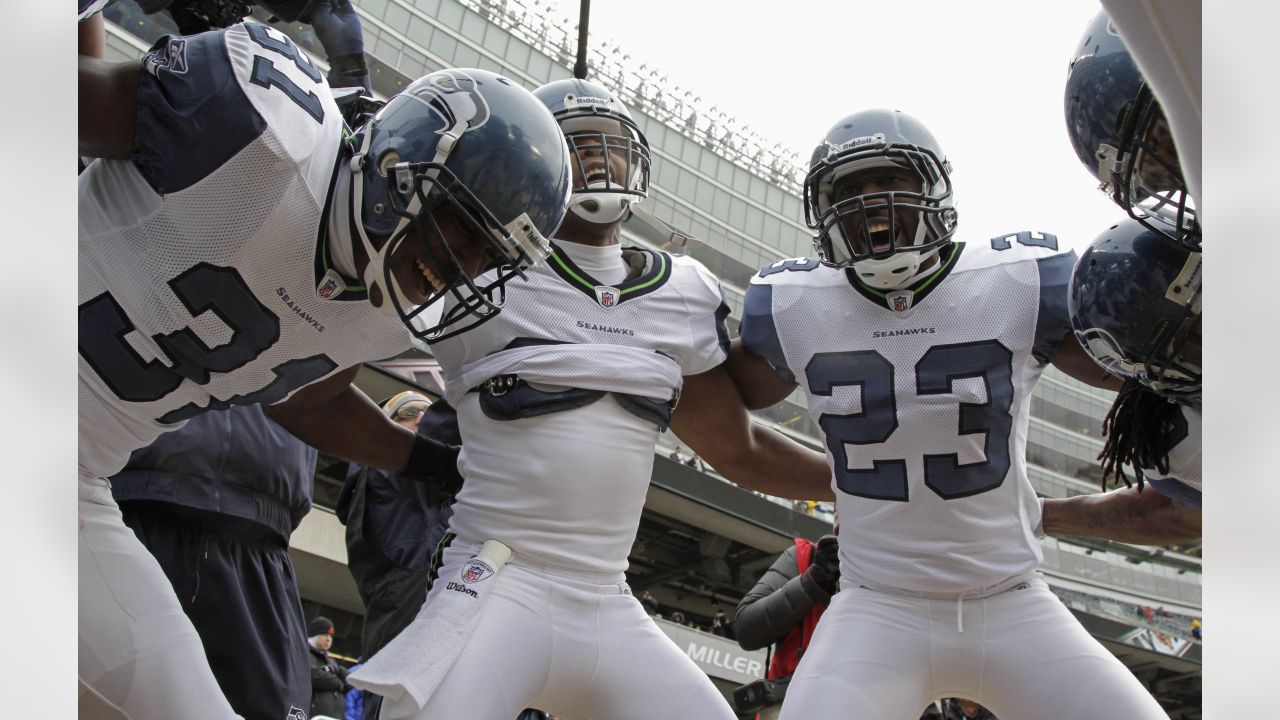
point(476, 570)
point(295, 713)
point(454, 96)
point(607, 296)
point(1107, 353)
point(900, 300)
point(172, 58)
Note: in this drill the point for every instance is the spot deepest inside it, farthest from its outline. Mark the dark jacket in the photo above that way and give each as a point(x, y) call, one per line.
point(328, 685)
point(777, 604)
point(236, 463)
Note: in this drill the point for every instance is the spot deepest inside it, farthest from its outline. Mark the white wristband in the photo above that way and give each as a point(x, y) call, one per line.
point(1039, 528)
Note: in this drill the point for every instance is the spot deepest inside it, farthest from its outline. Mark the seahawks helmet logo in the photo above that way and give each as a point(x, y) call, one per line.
point(455, 97)
point(1105, 351)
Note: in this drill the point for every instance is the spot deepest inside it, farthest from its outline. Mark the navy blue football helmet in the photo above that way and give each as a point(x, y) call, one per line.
point(879, 139)
point(473, 147)
point(1135, 303)
point(1120, 133)
point(612, 168)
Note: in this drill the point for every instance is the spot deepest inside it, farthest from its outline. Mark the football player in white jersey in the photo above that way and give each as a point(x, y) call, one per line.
point(918, 354)
point(559, 427)
point(238, 245)
point(1136, 307)
point(1120, 132)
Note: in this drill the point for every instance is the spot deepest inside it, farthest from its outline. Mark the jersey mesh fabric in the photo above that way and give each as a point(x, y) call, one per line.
point(255, 217)
point(642, 345)
point(568, 488)
point(923, 542)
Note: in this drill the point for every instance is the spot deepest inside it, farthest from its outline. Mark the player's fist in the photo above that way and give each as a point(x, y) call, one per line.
point(824, 566)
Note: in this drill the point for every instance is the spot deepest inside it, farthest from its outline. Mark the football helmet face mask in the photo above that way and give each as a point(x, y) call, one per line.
point(461, 163)
point(851, 229)
point(1135, 303)
point(610, 155)
point(1120, 133)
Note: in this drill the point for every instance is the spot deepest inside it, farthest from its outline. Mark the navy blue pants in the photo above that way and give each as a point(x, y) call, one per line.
point(236, 583)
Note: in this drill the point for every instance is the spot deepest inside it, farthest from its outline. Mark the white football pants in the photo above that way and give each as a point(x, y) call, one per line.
point(574, 644)
point(139, 654)
point(1020, 653)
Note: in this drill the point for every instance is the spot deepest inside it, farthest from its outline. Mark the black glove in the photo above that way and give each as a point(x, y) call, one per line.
point(824, 564)
point(434, 463)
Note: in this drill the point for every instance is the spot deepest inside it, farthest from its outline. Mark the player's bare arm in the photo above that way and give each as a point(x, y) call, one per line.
point(1074, 361)
point(757, 383)
point(107, 97)
point(1126, 515)
point(713, 420)
point(337, 418)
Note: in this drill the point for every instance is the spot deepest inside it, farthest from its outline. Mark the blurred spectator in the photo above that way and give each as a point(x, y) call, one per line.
point(215, 503)
point(962, 709)
point(328, 678)
point(695, 462)
point(677, 617)
point(393, 527)
point(678, 455)
point(784, 606)
point(1196, 624)
point(650, 603)
point(720, 624)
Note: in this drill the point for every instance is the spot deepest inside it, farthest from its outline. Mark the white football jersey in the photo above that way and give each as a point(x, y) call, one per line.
point(567, 487)
point(199, 260)
point(1182, 482)
point(923, 401)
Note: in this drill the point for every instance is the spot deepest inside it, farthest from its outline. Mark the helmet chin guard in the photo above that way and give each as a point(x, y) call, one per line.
point(893, 272)
point(602, 208)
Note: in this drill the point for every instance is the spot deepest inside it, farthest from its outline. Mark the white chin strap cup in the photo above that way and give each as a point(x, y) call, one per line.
point(600, 208)
point(893, 272)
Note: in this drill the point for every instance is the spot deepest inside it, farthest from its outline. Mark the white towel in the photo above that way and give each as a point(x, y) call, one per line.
point(409, 668)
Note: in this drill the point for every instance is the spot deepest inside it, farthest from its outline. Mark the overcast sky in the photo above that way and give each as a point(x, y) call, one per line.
point(986, 78)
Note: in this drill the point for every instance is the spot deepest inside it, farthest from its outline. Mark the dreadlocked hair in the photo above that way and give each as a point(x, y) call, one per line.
point(1137, 428)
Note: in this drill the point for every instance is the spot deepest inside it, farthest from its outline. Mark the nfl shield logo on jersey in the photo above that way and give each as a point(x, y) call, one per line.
point(606, 296)
point(330, 284)
point(476, 570)
point(900, 300)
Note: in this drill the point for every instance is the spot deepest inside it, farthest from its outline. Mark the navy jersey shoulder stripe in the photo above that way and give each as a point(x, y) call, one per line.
point(758, 332)
point(722, 328)
point(1053, 322)
point(1176, 490)
point(192, 115)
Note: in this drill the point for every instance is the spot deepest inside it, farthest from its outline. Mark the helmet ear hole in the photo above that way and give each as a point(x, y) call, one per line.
point(388, 161)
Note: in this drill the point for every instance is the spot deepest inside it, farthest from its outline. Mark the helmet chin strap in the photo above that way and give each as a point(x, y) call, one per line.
point(895, 272)
point(609, 208)
point(341, 249)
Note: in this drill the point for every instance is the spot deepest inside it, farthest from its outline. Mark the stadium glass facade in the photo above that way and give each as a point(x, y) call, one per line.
point(740, 197)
